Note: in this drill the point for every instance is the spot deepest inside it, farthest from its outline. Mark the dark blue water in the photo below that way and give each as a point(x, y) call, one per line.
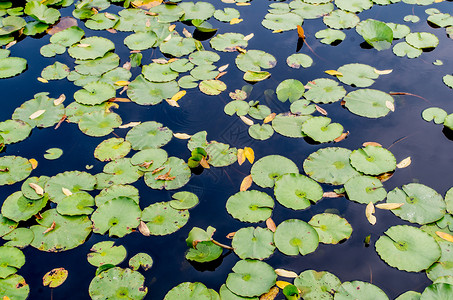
point(403, 131)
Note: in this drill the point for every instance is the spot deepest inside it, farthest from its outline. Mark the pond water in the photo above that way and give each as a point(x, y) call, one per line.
point(403, 132)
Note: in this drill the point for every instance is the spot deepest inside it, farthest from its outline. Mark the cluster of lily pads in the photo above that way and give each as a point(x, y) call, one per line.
point(58, 213)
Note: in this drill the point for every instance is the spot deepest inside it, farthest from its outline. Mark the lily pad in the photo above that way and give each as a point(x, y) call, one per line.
point(227, 14)
point(118, 216)
point(15, 287)
point(183, 200)
point(355, 6)
point(329, 36)
point(357, 75)
point(368, 103)
point(74, 181)
point(330, 165)
point(162, 219)
point(168, 13)
point(365, 189)
point(295, 236)
point(141, 260)
point(19, 237)
point(404, 49)
point(228, 42)
point(12, 66)
point(284, 22)
point(290, 89)
point(373, 160)
point(376, 33)
point(144, 92)
point(174, 167)
point(261, 132)
point(115, 191)
point(14, 131)
point(407, 248)
point(13, 169)
point(359, 290)
point(220, 154)
point(68, 231)
point(270, 168)
point(99, 123)
point(297, 191)
point(321, 130)
point(317, 285)
point(251, 278)
point(422, 204)
point(254, 60)
point(226, 294)
point(331, 228)
point(204, 72)
point(238, 107)
point(290, 125)
point(203, 57)
point(11, 24)
point(91, 48)
point(16, 207)
point(53, 153)
point(101, 22)
point(184, 65)
point(255, 243)
point(141, 40)
point(302, 107)
point(51, 50)
point(422, 40)
point(149, 159)
point(55, 72)
point(118, 283)
point(256, 76)
point(11, 259)
point(310, 10)
point(212, 87)
point(324, 90)
point(6, 225)
point(148, 135)
point(189, 290)
point(67, 37)
point(112, 149)
point(250, 206)
point(340, 19)
point(41, 12)
point(187, 82)
point(178, 46)
point(76, 204)
point(399, 30)
point(433, 113)
point(159, 72)
point(437, 291)
point(298, 60)
point(409, 295)
point(99, 65)
point(199, 10)
point(123, 171)
point(106, 253)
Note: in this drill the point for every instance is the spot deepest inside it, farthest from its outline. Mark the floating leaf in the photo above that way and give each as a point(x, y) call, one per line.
point(404, 163)
point(54, 278)
point(369, 211)
point(97, 47)
point(389, 206)
point(251, 278)
point(298, 60)
point(321, 130)
point(270, 168)
point(106, 253)
point(148, 135)
point(14, 169)
point(11, 260)
point(141, 260)
point(373, 160)
point(317, 285)
point(183, 200)
point(290, 89)
point(359, 290)
point(295, 236)
point(256, 76)
point(162, 219)
point(116, 281)
point(53, 153)
point(331, 228)
point(297, 191)
point(365, 189)
point(254, 60)
point(246, 183)
point(250, 206)
point(212, 87)
point(255, 243)
point(376, 33)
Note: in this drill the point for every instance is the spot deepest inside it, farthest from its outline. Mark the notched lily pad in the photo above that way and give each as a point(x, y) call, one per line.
point(162, 219)
point(295, 236)
point(268, 169)
point(251, 278)
point(250, 206)
point(106, 253)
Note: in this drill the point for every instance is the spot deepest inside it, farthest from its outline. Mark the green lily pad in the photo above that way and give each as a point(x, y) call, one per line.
point(368, 103)
point(41, 12)
point(199, 10)
point(112, 149)
point(422, 40)
point(117, 74)
point(289, 125)
point(14, 131)
point(68, 232)
point(365, 189)
point(189, 290)
point(91, 48)
point(19, 208)
point(302, 107)
point(99, 123)
point(331, 228)
point(55, 72)
point(141, 40)
point(443, 267)
point(220, 154)
point(250, 206)
point(373, 160)
point(256, 76)
point(449, 200)
point(409, 295)
point(15, 287)
point(101, 22)
point(359, 290)
point(437, 291)
point(53, 153)
point(13, 169)
point(118, 283)
point(115, 191)
point(254, 60)
point(52, 113)
point(159, 72)
point(11, 24)
point(261, 132)
point(329, 36)
point(6, 225)
point(355, 6)
point(257, 111)
point(19, 237)
point(403, 49)
point(317, 285)
point(284, 22)
point(149, 159)
point(203, 58)
point(412, 18)
point(376, 33)
point(204, 72)
point(434, 113)
point(324, 90)
point(178, 46)
point(175, 167)
point(212, 87)
point(141, 260)
point(321, 130)
point(187, 82)
point(407, 248)
point(228, 42)
point(309, 10)
point(290, 89)
point(358, 75)
point(297, 191)
point(148, 135)
point(183, 200)
point(11, 259)
point(168, 13)
point(270, 168)
point(74, 181)
point(198, 234)
point(12, 66)
point(143, 92)
point(123, 171)
point(255, 243)
point(399, 30)
point(226, 294)
point(330, 165)
point(51, 50)
point(82, 80)
point(422, 204)
point(441, 20)
point(298, 60)
point(184, 65)
point(251, 278)
point(162, 219)
point(448, 122)
point(118, 216)
point(99, 65)
point(67, 37)
point(76, 204)
point(294, 236)
point(238, 107)
point(227, 14)
point(204, 251)
point(106, 253)
point(340, 19)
